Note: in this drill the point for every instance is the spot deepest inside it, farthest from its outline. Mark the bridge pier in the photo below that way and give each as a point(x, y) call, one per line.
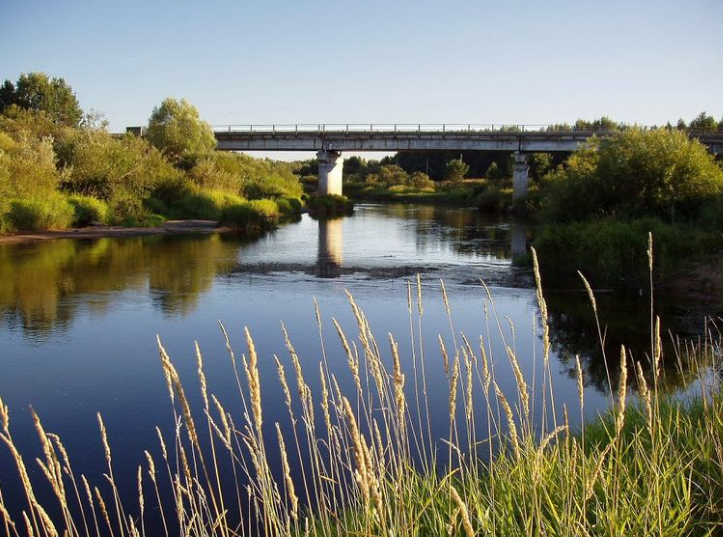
point(330, 172)
point(519, 177)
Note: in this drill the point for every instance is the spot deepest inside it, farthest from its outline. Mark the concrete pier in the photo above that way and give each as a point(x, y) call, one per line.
point(330, 172)
point(519, 177)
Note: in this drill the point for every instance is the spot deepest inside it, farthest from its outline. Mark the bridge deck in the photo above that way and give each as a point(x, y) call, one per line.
point(393, 138)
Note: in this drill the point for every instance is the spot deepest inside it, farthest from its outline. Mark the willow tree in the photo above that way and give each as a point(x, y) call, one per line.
point(176, 128)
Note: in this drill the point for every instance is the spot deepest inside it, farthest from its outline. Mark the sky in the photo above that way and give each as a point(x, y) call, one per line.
point(287, 62)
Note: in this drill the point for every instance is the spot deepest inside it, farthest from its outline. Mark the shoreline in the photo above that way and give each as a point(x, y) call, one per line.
point(170, 227)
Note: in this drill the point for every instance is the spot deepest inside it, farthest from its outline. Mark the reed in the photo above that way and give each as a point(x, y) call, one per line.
point(651, 466)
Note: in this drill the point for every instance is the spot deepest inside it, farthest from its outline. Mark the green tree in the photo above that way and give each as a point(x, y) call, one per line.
point(176, 129)
point(455, 170)
point(40, 93)
point(540, 164)
point(635, 173)
point(703, 122)
point(494, 172)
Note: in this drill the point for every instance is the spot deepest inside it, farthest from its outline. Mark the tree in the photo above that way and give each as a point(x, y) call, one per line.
point(494, 173)
point(703, 122)
point(176, 129)
point(39, 93)
point(455, 170)
point(635, 173)
point(540, 164)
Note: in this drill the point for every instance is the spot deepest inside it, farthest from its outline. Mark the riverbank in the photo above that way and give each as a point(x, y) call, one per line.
point(170, 227)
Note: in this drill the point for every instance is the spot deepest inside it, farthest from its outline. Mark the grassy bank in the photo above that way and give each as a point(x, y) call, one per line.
point(462, 195)
point(509, 465)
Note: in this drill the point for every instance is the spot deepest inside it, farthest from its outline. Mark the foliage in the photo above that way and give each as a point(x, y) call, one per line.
point(39, 93)
point(106, 178)
point(494, 199)
point(52, 211)
point(176, 129)
point(30, 166)
point(89, 210)
point(540, 164)
point(455, 170)
point(568, 248)
point(120, 172)
point(703, 122)
point(494, 172)
point(634, 173)
point(332, 205)
point(250, 216)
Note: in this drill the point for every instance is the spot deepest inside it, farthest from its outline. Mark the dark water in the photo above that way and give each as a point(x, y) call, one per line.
point(79, 319)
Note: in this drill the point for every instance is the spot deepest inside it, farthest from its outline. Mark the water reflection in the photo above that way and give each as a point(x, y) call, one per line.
point(43, 285)
point(518, 241)
point(330, 255)
point(624, 321)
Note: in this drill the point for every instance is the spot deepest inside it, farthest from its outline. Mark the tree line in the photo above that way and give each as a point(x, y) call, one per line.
point(60, 167)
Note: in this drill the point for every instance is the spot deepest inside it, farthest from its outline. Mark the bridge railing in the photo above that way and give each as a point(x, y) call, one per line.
point(321, 128)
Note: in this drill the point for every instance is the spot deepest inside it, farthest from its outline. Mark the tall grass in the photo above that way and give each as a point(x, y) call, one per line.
point(365, 462)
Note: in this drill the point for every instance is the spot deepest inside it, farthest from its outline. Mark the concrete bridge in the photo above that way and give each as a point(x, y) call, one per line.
point(330, 141)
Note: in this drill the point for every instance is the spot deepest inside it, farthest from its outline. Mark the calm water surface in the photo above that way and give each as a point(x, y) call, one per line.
point(79, 319)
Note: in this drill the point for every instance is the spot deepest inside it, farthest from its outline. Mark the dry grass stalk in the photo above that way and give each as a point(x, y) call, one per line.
point(252, 374)
point(622, 392)
point(464, 513)
point(290, 490)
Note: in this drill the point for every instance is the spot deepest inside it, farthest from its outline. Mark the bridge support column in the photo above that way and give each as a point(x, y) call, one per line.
point(519, 177)
point(330, 170)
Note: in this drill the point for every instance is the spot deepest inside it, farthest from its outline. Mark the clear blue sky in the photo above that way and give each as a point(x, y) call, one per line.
point(376, 61)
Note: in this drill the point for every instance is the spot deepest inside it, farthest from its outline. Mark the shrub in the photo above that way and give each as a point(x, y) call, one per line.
point(331, 205)
point(88, 210)
point(252, 215)
point(634, 173)
point(289, 206)
point(48, 212)
point(455, 170)
point(494, 200)
point(567, 248)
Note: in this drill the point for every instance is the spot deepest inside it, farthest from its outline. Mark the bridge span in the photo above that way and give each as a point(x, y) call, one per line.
point(330, 141)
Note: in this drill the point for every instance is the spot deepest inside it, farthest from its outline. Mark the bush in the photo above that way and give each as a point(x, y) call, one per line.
point(50, 212)
point(634, 173)
point(289, 206)
point(494, 200)
point(331, 205)
point(252, 215)
point(567, 248)
point(88, 210)
point(455, 170)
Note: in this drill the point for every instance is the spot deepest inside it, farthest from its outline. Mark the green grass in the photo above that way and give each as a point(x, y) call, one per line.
point(651, 466)
point(461, 193)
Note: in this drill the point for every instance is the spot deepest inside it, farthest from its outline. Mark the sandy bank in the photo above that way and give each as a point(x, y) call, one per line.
point(171, 227)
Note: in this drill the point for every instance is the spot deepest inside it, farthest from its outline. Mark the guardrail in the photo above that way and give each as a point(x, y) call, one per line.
point(386, 128)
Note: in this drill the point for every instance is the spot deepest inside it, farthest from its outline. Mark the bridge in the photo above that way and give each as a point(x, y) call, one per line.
point(329, 141)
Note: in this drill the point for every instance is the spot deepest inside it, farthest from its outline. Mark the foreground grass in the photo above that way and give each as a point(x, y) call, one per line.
point(510, 464)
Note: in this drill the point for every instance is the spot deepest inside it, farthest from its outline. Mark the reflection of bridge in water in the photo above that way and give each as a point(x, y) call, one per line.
point(330, 251)
point(330, 256)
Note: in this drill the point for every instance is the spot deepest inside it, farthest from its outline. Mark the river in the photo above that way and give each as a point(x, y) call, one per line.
point(79, 320)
